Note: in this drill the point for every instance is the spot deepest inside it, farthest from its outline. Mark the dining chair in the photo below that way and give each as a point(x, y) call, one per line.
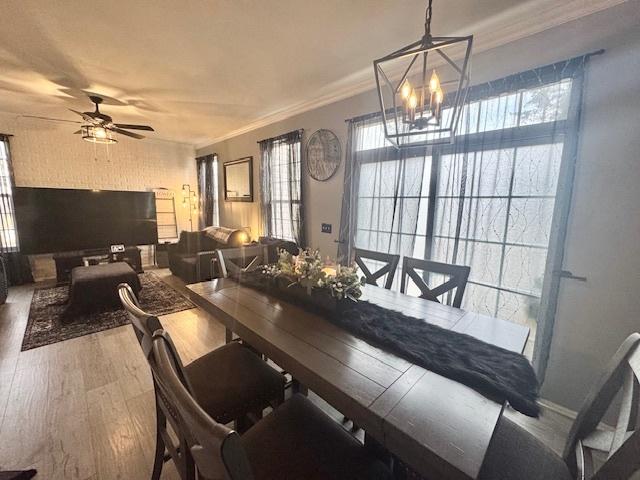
point(389, 268)
point(590, 453)
point(233, 262)
point(230, 383)
point(458, 275)
point(296, 441)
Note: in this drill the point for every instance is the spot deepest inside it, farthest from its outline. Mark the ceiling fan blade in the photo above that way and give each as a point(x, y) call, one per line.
point(134, 127)
point(50, 118)
point(86, 116)
point(77, 132)
point(128, 134)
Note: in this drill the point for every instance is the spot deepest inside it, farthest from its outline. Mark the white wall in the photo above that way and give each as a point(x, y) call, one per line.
point(603, 241)
point(47, 154)
point(604, 231)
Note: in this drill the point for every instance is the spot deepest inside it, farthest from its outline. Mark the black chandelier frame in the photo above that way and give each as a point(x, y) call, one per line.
point(393, 114)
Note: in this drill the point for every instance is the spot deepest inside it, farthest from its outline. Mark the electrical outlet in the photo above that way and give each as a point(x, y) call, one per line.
point(326, 228)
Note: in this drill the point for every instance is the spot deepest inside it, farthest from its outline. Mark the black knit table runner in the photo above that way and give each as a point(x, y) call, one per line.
point(499, 374)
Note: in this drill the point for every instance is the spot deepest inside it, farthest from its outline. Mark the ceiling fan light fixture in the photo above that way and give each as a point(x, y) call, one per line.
point(97, 134)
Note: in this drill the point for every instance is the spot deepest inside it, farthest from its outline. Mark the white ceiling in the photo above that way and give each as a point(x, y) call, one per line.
point(201, 70)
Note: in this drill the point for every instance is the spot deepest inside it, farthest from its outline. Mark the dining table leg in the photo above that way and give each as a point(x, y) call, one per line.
point(377, 450)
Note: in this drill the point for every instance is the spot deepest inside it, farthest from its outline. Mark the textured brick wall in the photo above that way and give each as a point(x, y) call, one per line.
point(47, 154)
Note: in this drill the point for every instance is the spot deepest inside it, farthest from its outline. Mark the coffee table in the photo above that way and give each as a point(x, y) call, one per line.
point(96, 286)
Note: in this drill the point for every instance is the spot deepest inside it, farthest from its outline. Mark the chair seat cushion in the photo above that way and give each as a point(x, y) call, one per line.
point(232, 380)
point(298, 441)
point(515, 454)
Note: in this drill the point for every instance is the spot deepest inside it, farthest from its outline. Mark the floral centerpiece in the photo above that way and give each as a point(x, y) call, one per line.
point(318, 280)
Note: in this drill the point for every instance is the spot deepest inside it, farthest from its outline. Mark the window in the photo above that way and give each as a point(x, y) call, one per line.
point(8, 235)
point(486, 201)
point(280, 173)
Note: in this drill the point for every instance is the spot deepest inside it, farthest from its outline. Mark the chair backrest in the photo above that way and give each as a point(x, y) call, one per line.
point(621, 446)
point(144, 326)
point(143, 323)
point(236, 261)
point(216, 449)
point(389, 268)
point(458, 275)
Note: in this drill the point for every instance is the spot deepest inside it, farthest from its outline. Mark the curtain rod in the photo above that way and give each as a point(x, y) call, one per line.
point(585, 56)
point(284, 135)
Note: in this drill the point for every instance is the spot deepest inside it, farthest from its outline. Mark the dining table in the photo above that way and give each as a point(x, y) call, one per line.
point(440, 428)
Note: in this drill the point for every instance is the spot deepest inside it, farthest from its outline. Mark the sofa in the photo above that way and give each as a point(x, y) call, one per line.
point(190, 258)
point(276, 244)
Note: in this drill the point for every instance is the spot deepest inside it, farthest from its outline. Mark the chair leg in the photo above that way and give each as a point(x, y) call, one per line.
point(377, 450)
point(158, 461)
point(297, 387)
point(242, 424)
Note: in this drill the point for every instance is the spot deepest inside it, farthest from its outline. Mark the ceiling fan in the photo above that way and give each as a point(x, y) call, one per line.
point(99, 127)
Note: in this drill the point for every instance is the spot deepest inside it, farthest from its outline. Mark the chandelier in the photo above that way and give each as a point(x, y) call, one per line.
point(422, 89)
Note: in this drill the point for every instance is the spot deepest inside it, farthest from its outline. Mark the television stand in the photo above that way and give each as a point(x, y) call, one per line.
point(67, 261)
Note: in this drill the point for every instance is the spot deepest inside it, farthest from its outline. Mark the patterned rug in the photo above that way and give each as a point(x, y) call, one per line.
point(45, 325)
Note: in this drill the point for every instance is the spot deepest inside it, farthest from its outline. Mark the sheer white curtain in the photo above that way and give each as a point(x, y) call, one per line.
point(495, 198)
point(388, 194)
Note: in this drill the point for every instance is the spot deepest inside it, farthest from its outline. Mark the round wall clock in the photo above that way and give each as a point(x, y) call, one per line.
point(323, 155)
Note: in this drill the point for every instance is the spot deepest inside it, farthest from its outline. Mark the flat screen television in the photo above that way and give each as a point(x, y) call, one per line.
point(51, 220)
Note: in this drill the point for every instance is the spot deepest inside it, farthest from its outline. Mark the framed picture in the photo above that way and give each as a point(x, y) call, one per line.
point(238, 180)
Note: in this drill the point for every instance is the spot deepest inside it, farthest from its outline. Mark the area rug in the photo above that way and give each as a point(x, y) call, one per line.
point(45, 325)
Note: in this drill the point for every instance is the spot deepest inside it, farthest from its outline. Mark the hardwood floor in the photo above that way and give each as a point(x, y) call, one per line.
point(84, 408)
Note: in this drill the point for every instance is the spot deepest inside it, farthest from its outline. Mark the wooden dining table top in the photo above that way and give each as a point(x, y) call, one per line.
point(439, 427)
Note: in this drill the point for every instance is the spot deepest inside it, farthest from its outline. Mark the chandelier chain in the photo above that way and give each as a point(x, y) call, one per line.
point(427, 20)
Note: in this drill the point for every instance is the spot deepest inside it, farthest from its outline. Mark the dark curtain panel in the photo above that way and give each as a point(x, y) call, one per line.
point(17, 265)
point(207, 168)
point(496, 199)
point(281, 187)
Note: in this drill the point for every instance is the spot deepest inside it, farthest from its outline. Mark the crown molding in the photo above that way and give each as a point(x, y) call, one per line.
point(525, 20)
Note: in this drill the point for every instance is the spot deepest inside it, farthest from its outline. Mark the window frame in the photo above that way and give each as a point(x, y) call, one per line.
point(279, 203)
point(545, 133)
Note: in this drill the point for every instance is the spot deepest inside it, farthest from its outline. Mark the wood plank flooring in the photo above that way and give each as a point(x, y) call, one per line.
point(84, 409)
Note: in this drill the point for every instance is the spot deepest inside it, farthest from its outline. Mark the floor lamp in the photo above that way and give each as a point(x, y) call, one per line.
point(190, 201)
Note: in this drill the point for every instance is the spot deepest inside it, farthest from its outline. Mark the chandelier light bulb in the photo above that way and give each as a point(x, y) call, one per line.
point(413, 100)
point(405, 91)
point(434, 83)
point(439, 96)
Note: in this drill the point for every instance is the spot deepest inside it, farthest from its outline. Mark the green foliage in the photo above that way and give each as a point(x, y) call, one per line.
point(309, 271)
